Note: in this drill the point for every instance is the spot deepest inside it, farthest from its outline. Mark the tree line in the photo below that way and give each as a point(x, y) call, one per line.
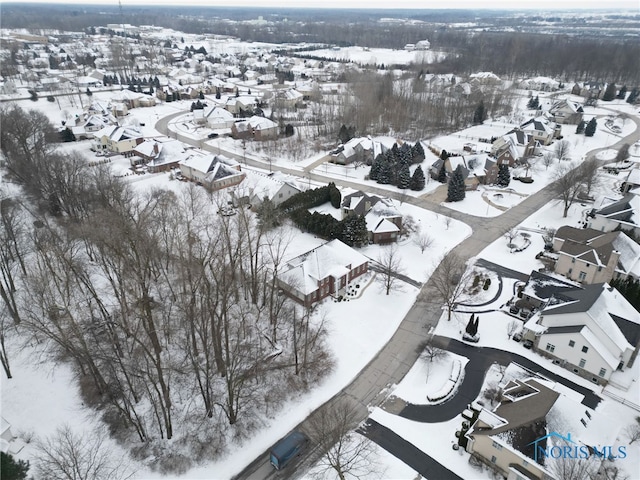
point(168, 314)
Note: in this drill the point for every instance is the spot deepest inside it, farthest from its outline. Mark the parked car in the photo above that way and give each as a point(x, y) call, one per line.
point(517, 336)
point(513, 309)
point(528, 344)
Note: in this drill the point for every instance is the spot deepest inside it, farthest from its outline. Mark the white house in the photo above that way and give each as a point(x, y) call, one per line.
point(593, 332)
point(214, 171)
point(623, 214)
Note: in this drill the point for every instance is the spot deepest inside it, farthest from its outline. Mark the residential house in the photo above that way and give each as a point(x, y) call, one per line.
point(473, 169)
point(213, 171)
point(324, 271)
point(632, 181)
point(593, 331)
point(170, 154)
point(541, 129)
point(623, 214)
point(276, 186)
point(543, 84)
point(534, 416)
point(566, 112)
point(423, 45)
point(512, 147)
point(543, 289)
point(357, 150)
point(117, 139)
point(288, 98)
point(146, 152)
point(384, 221)
point(484, 78)
point(591, 256)
point(217, 118)
point(257, 128)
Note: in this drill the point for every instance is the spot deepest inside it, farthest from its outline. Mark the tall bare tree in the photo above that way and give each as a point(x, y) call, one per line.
point(347, 453)
point(390, 267)
point(570, 179)
point(449, 281)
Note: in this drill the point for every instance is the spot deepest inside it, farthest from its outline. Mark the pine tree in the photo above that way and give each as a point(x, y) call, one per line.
point(456, 191)
point(533, 103)
point(590, 129)
point(442, 173)
point(480, 114)
point(417, 179)
point(632, 96)
point(610, 92)
point(375, 167)
point(580, 127)
point(385, 174)
point(334, 195)
point(10, 469)
point(417, 152)
point(404, 178)
point(354, 231)
point(622, 93)
point(504, 176)
point(470, 329)
point(444, 155)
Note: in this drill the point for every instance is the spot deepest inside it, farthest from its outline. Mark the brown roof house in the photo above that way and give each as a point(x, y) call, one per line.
point(520, 439)
point(590, 256)
point(258, 128)
point(384, 222)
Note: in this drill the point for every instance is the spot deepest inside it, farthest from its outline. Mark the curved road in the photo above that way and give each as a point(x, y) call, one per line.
point(395, 359)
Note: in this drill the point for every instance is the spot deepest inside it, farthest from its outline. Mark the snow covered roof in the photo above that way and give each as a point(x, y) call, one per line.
point(332, 259)
point(148, 148)
point(256, 123)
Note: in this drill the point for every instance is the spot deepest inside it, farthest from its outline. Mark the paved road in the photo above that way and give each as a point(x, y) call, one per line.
point(395, 359)
point(405, 451)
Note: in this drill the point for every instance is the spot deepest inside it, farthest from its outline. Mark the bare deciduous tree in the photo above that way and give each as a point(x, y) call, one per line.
point(423, 241)
point(548, 159)
point(511, 235)
point(66, 455)
point(512, 327)
point(633, 431)
point(563, 150)
point(571, 179)
point(390, 267)
point(347, 453)
point(449, 280)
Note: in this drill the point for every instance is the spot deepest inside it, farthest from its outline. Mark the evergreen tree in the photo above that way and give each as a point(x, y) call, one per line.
point(334, 195)
point(10, 469)
point(480, 114)
point(580, 127)
point(218, 95)
point(470, 329)
point(404, 177)
point(456, 191)
point(67, 135)
point(444, 155)
point(590, 129)
point(417, 153)
point(442, 173)
point(533, 103)
point(417, 179)
point(633, 95)
point(375, 167)
point(201, 95)
point(622, 93)
point(354, 231)
point(504, 176)
point(385, 173)
point(610, 92)
point(288, 130)
point(268, 214)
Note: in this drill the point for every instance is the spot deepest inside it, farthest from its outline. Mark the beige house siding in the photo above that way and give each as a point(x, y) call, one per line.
point(483, 447)
point(585, 272)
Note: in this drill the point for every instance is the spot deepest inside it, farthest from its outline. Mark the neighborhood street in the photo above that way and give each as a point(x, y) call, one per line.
point(396, 358)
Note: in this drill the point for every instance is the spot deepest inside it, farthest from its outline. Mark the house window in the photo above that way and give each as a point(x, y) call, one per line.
point(525, 463)
point(582, 363)
point(599, 268)
point(550, 348)
point(569, 272)
point(496, 445)
point(573, 260)
point(582, 276)
point(585, 349)
point(571, 343)
point(602, 372)
point(493, 459)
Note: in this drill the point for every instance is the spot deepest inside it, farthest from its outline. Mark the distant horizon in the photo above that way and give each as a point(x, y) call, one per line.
point(470, 5)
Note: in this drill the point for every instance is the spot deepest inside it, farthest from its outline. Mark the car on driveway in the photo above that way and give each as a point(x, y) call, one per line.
point(517, 336)
point(528, 344)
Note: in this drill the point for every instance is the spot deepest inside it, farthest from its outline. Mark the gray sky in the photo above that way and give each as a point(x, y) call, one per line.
point(392, 5)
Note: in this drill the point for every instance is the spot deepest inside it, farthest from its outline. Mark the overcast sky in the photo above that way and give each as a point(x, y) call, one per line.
point(387, 4)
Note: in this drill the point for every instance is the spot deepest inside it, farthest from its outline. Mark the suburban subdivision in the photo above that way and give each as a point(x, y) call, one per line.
point(313, 243)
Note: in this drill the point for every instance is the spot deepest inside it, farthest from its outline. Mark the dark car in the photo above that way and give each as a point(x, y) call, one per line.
point(513, 309)
point(517, 336)
point(528, 344)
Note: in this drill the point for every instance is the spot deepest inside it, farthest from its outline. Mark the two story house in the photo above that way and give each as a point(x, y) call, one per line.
point(321, 272)
point(592, 331)
point(623, 214)
point(213, 171)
